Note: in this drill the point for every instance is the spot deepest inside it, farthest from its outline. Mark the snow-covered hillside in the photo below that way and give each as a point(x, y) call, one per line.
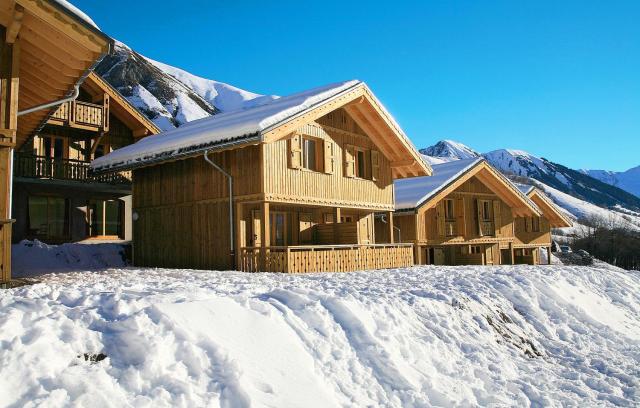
point(429, 336)
point(579, 194)
point(168, 95)
point(627, 180)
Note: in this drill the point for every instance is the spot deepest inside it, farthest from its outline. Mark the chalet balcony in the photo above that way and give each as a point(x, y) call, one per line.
point(82, 115)
point(325, 258)
point(42, 167)
point(487, 228)
point(450, 228)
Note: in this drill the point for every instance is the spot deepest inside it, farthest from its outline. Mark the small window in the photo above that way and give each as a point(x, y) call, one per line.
point(535, 224)
point(346, 218)
point(474, 249)
point(449, 210)
point(309, 154)
point(486, 210)
point(327, 218)
point(360, 164)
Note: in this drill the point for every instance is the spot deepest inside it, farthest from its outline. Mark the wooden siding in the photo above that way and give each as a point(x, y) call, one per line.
point(283, 183)
point(525, 236)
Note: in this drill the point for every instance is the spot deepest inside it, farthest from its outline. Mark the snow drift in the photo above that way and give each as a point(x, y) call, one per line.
point(424, 336)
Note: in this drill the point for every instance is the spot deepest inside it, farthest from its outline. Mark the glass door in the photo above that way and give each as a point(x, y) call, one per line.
point(49, 218)
point(105, 218)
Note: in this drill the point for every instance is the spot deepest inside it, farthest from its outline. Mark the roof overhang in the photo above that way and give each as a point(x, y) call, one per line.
point(55, 50)
point(520, 204)
point(372, 117)
point(549, 210)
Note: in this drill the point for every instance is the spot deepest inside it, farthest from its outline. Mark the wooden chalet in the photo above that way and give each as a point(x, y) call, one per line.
point(55, 199)
point(533, 233)
point(46, 48)
point(307, 173)
point(463, 215)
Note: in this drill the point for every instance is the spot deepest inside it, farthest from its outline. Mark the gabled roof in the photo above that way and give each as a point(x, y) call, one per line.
point(121, 107)
point(411, 194)
point(271, 121)
point(555, 216)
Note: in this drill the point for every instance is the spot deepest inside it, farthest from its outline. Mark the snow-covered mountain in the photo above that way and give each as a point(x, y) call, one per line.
point(171, 96)
point(627, 180)
point(582, 196)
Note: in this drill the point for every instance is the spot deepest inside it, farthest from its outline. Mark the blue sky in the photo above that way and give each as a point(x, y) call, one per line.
point(560, 79)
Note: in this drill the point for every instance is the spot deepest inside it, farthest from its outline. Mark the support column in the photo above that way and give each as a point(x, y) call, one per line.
point(240, 234)
point(390, 223)
point(336, 220)
point(9, 84)
point(265, 232)
point(548, 255)
point(513, 254)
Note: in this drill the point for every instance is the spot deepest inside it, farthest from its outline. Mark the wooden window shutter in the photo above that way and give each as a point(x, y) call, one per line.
point(460, 218)
point(528, 224)
point(329, 157)
point(295, 152)
point(375, 165)
point(440, 218)
point(479, 215)
point(349, 161)
point(497, 218)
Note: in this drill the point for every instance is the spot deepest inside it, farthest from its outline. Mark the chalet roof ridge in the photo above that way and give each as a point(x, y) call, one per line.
point(248, 126)
point(553, 206)
point(445, 175)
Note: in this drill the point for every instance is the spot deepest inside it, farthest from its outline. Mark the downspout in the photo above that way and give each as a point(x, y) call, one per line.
point(383, 218)
point(72, 97)
point(230, 180)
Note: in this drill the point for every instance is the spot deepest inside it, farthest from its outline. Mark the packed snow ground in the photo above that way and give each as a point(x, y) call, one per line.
point(424, 336)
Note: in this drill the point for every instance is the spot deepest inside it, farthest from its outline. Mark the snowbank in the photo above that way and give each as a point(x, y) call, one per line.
point(469, 336)
point(30, 258)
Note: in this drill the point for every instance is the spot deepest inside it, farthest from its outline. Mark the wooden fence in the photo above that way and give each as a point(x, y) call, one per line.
point(325, 258)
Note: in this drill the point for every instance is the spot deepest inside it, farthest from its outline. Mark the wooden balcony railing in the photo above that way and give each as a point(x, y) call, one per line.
point(450, 229)
point(42, 167)
point(85, 115)
point(486, 228)
point(325, 258)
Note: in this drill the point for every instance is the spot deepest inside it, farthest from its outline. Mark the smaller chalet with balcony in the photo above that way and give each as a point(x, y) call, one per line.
point(289, 186)
point(466, 214)
point(55, 199)
point(533, 233)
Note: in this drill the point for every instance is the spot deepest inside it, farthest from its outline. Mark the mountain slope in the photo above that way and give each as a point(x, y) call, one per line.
point(580, 195)
point(627, 180)
point(449, 150)
point(167, 95)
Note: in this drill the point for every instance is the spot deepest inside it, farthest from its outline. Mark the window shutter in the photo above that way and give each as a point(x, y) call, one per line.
point(349, 161)
point(440, 218)
point(460, 219)
point(497, 218)
point(295, 152)
point(528, 226)
point(375, 165)
point(479, 215)
point(329, 156)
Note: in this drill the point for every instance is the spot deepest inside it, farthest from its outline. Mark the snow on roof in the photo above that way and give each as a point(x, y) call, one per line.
point(77, 12)
point(223, 128)
point(411, 192)
point(524, 188)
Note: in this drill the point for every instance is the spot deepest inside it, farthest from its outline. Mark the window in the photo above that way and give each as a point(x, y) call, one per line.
point(486, 210)
point(346, 218)
point(449, 214)
point(360, 164)
point(49, 218)
point(105, 218)
point(474, 249)
point(278, 223)
point(309, 154)
point(535, 224)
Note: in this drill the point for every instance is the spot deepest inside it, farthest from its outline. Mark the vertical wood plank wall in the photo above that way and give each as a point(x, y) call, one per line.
point(182, 209)
point(295, 185)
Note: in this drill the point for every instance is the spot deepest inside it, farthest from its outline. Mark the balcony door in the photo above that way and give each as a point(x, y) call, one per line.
point(105, 218)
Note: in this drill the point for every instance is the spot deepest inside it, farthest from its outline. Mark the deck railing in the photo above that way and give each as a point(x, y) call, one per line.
point(450, 229)
point(325, 258)
point(43, 167)
point(88, 115)
point(486, 228)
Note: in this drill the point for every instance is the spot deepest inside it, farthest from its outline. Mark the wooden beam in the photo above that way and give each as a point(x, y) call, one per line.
point(390, 224)
point(15, 25)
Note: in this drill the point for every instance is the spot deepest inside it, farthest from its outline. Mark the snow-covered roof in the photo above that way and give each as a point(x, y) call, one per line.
point(525, 188)
point(77, 12)
point(412, 192)
point(221, 129)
